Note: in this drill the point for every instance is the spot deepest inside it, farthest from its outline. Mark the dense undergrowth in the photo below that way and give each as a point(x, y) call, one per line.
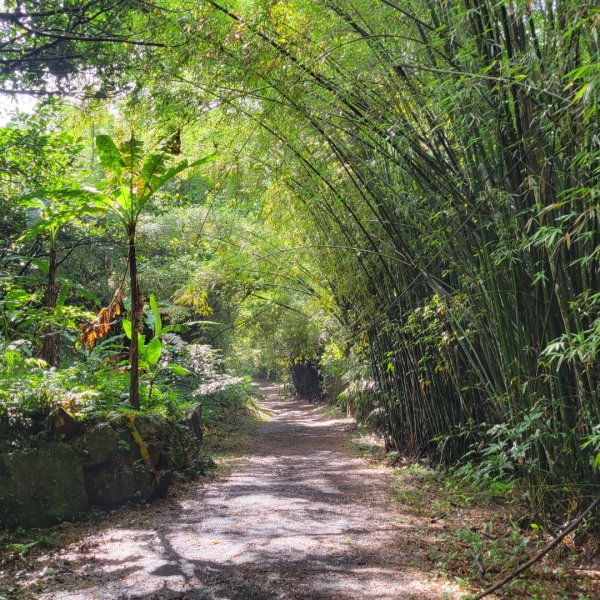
point(31, 389)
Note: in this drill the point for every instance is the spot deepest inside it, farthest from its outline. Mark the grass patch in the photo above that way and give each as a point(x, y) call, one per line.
point(369, 444)
point(333, 411)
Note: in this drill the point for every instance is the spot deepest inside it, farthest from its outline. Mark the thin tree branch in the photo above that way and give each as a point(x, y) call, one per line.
point(572, 525)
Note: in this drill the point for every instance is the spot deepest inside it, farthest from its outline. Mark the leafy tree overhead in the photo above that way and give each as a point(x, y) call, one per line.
point(61, 46)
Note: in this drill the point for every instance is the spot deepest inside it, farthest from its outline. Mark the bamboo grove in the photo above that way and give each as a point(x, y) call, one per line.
point(455, 144)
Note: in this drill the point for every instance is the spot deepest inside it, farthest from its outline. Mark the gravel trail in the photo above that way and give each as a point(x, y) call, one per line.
point(302, 518)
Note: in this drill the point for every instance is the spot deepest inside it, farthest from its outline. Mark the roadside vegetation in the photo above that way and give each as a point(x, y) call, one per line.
point(389, 205)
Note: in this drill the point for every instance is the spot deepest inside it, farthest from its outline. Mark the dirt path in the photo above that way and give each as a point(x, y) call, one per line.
point(303, 518)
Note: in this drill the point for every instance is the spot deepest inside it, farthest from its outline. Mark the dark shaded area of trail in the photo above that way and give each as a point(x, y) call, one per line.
point(301, 518)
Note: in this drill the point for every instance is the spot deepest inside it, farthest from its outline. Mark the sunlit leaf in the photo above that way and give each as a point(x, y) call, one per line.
point(153, 351)
point(127, 327)
point(109, 154)
point(178, 369)
point(157, 320)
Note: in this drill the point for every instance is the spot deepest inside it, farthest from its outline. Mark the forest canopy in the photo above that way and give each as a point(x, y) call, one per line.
point(393, 204)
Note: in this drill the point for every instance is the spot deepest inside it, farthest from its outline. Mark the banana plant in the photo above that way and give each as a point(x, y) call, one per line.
point(132, 178)
point(150, 353)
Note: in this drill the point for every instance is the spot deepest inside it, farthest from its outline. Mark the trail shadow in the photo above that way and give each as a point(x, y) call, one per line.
point(267, 575)
point(302, 520)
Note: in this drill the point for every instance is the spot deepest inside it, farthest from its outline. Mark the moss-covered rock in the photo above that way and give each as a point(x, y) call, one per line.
point(126, 445)
point(62, 424)
point(163, 479)
point(41, 487)
point(153, 427)
point(106, 462)
point(145, 481)
point(110, 484)
point(97, 446)
point(181, 451)
point(155, 450)
point(152, 434)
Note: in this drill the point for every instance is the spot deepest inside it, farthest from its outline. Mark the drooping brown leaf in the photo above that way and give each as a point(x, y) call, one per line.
point(95, 330)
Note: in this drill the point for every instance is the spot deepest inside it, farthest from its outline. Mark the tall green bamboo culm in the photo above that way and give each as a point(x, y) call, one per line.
point(454, 146)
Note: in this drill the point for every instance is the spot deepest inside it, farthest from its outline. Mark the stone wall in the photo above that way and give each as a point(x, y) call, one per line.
point(102, 462)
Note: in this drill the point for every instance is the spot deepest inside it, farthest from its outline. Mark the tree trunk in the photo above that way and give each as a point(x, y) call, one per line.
point(49, 351)
point(136, 312)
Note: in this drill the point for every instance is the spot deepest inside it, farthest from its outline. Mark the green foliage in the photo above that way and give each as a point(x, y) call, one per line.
point(511, 449)
point(132, 178)
point(63, 45)
point(28, 385)
point(408, 196)
point(131, 181)
point(221, 402)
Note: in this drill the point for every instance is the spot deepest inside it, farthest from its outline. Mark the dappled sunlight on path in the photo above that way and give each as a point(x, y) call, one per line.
point(302, 518)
